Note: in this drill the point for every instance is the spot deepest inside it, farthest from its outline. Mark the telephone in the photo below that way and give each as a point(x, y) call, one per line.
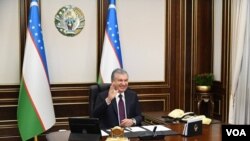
point(178, 113)
point(204, 119)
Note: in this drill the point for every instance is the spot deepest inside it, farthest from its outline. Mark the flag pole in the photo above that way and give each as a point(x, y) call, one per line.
point(35, 138)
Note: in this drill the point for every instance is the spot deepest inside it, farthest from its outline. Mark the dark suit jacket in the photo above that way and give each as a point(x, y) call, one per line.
point(108, 114)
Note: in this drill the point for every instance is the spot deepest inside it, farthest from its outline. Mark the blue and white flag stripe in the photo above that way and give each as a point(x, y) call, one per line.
point(36, 34)
point(111, 54)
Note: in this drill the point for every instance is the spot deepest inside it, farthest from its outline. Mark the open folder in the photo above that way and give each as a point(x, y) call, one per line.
point(147, 132)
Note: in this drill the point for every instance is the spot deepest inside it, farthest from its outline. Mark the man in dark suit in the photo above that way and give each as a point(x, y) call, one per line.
point(118, 106)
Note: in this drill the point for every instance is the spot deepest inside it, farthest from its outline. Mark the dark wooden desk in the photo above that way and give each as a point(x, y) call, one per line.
point(210, 132)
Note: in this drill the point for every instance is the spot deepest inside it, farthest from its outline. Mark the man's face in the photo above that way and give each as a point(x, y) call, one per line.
point(120, 82)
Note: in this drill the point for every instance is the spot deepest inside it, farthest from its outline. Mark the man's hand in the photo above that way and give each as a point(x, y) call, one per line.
point(127, 123)
point(112, 92)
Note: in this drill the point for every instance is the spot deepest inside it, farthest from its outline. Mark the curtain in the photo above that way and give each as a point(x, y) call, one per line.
point(239, 104)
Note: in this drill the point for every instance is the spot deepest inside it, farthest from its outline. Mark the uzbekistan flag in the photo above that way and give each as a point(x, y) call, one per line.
point(35, 112)
point(111, 53)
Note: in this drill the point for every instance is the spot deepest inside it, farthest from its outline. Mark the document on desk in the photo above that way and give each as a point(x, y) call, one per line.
point(135, 129)
point(104, 133)
point(149, 130)
point(158, 127)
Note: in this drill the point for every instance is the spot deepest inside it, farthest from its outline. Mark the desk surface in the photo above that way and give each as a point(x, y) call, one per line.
point(210, 132)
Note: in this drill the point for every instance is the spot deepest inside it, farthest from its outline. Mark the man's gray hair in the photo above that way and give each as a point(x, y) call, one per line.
point(117, 71)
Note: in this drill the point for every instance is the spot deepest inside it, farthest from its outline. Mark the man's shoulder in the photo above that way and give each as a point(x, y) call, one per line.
point(130, 91)
point(103, 93)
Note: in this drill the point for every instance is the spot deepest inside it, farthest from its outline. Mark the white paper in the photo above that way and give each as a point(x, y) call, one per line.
point(104, 133)
point(158, 127)
point(185, 130)
point(194, 119)
point(125, 131)
point(135, 129)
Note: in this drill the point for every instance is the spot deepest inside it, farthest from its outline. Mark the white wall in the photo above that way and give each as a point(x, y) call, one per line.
point(74, 59)
point(9, 42)
point(70, 59)
point(217, 39)
point(142, 34)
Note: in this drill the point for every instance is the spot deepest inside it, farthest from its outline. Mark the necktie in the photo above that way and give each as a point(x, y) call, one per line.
point(121, 108)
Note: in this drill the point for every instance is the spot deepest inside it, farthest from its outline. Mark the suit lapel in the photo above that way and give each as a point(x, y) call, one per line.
point(127, 101)
point(114, 105)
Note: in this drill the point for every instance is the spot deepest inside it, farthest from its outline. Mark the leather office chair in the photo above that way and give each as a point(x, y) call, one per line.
point(93, 91)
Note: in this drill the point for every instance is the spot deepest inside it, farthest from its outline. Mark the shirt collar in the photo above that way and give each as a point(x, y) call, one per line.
point(117, 96)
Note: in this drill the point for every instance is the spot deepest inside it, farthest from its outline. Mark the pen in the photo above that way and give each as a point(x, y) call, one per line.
point(154, 131)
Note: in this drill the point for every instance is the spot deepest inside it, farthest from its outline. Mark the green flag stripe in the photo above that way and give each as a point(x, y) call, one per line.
point(99, 80)
point(27, 116)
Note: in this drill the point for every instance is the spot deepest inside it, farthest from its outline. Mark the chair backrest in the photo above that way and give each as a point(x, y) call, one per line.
point(93, 91)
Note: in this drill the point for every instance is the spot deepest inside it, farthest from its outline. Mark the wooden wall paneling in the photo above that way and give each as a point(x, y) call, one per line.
point(24, 6)
point(225, 61)
point(74, 100)
point(8, 105)
point(180, 54)
point(171, 43)
point(155, 102)
point(201, 38)
point(177, 35)
point(166, 87)
point(188, 53)
point(153, 97)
